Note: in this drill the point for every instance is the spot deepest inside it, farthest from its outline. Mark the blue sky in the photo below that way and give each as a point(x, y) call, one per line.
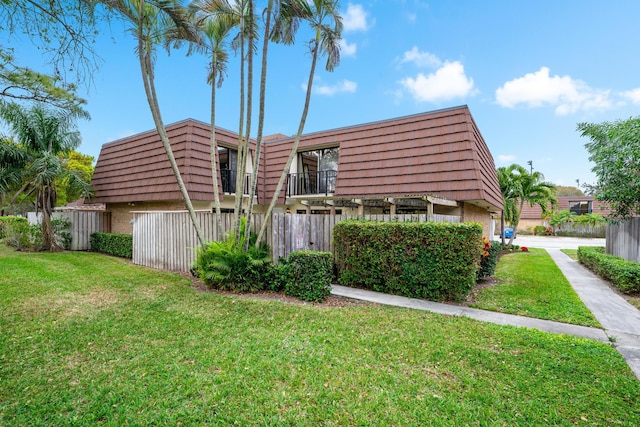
point(529, 72)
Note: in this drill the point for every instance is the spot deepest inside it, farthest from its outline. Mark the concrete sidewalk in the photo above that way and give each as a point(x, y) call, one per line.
point(620, 320)
point(472, 313)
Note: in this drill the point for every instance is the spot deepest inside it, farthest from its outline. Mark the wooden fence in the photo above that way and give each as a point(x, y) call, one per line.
point(83, 223)
point(623, 239)
point(167, 240)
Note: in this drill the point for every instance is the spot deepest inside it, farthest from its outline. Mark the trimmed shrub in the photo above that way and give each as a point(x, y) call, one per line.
point(436, 261)
point(623, 274)
point(308, 275)
point(489, 258)
point(112, 244)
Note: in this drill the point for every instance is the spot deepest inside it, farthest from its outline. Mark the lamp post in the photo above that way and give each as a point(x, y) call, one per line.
point(530, 163)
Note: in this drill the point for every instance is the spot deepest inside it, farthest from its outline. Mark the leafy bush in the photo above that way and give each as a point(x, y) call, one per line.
point(623, 274)
point(224, 265)
point(489, 258)
point(113, 244)
point(23, 236)
point(8, 221)
point(539, 230)
point(61, 228)
point(435, 261)
point(308, 275)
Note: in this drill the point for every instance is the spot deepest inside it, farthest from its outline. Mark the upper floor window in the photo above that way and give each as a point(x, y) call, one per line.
point(581, 208)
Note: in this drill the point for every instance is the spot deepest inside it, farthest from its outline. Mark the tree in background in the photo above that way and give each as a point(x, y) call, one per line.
point(41, 136)
point(614, 148)
point(80, 164)
point(519, 186)
point(563, 191)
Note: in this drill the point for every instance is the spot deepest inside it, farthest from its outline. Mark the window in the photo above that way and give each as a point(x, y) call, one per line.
point(317, 172)
point(581, 208)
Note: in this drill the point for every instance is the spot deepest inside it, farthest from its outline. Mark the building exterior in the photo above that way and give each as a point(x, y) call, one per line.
point(580, 205)
point(435, 162)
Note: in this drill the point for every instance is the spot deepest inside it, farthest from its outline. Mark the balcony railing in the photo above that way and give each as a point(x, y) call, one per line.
point(228, 178)
point(307, 183)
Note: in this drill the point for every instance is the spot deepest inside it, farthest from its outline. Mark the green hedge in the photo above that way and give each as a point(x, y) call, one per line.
point(309, 275)
point(7, 221)
point(623, 274)
point(435, 261)
point(113, 244)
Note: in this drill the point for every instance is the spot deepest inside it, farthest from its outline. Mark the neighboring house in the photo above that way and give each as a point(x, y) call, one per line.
point(435, 162)
point(580, 205)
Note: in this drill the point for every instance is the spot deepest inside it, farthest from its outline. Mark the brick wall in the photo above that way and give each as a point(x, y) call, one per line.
point(472, 213)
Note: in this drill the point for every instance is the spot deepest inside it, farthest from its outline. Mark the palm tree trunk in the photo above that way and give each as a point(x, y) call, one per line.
point(48, 237)
point(147, 77)
point(256, 159)
point(294, 148)
point(214, 161)
point(241, 142)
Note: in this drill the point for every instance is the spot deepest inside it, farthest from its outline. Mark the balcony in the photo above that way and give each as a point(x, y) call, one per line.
point(228, 178)
point(308, 183)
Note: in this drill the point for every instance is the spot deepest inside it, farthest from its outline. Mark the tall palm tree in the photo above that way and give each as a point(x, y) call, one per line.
point(154, 22)
point(528, 187)
point(326, 22)
point(41, 135)
point(286, 16)
point(216, 28)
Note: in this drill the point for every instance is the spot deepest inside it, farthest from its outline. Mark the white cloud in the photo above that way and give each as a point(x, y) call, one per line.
point(347, 49)
point(506, 158)
point(421, 59)
point(346, 86)
point(355, 18)
point(632, 95)
point(448, 82)
point(540, 89)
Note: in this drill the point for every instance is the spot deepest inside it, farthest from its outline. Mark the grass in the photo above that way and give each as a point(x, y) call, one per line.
point(573, 253)
point(87, 339)
point(532, 285)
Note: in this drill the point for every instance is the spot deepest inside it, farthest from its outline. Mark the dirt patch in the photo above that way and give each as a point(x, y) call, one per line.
point(331, 301)
point(71, 305)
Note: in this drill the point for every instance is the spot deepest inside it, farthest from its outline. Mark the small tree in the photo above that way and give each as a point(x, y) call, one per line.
point(614, 148)
point(42, 136)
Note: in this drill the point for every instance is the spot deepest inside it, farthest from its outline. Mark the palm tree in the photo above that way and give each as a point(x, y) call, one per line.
point(216, 28)
point(41, 136)
point(286, 15)
point(326, 21)
point(509, 198)
point(526, 187)
point(154, 22)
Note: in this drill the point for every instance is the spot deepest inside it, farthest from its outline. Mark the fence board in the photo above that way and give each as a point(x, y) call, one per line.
point(623, 239)
point(167, 240)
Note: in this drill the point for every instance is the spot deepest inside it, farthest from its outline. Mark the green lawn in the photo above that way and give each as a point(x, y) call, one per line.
point(573, 253)
point(530, 284)
point(89, 340)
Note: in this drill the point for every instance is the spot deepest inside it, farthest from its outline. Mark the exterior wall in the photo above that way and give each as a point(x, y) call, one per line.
point(121, 213)
point(472, 213)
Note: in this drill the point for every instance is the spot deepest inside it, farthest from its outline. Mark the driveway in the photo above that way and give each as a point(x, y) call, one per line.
point(553, 242)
